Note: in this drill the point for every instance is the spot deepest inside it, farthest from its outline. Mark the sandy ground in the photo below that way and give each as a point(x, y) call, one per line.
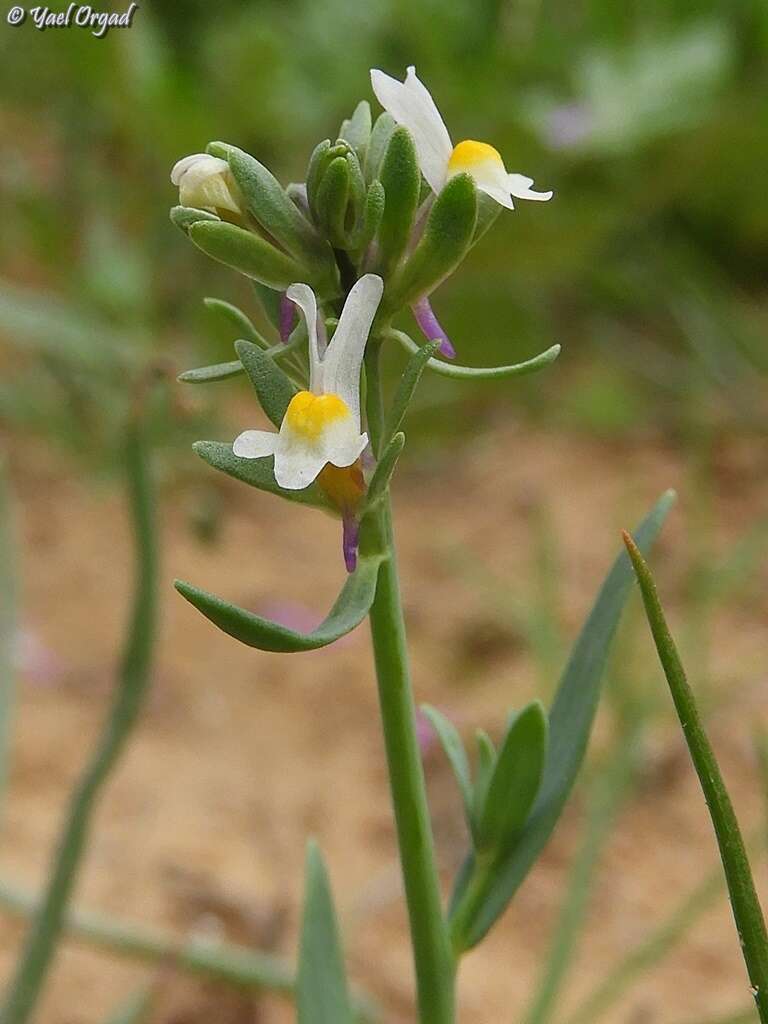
point(240, 755)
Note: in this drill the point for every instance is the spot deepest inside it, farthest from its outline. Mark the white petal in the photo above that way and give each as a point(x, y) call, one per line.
point(411, 104)
point(254, 444)
point(303, 296)
point(341, 368)
point(520, 187)
point(299, 460)
point(183, 165)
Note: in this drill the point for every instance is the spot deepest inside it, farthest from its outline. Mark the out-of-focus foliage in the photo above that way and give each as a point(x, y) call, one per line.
point(648, 119)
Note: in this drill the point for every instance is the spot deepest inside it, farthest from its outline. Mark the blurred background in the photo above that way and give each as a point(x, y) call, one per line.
point(650, 122)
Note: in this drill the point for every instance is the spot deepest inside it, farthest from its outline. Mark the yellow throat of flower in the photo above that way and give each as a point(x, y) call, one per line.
point(309, 414)
point(467, 155)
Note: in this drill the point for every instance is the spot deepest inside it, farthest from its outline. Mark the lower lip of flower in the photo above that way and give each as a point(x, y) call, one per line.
point(309, 414)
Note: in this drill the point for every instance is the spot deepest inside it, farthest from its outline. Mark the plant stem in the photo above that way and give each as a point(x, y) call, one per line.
point(434, 965)
point(44, 934)
point(747, 913)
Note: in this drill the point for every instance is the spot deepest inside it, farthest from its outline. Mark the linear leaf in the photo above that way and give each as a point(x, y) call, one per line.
point(451, 743)
point(477, 372)
point(350, 609)
point(408, 384)
point(257, 473)
point(274, 388)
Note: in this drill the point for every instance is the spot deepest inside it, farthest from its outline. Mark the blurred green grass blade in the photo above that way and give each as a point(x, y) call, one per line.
point(570, 722)
point(478, 372)
point(8, 629)
point(738, 873)
point(322, 996)
point(609, 790)
point(43, 937)
point(135, 1009)
point(740, 1017)
point(349, 610)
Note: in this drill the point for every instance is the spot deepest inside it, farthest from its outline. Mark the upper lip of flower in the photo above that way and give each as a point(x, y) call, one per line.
point(411, 104)
point(322, 425)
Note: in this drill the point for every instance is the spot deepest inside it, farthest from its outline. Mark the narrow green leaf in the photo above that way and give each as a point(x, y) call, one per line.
point(745, 905)
point(322, 996)
point(273, 209)
point(384, 470)
point(214, 372)
point(570, 723)
point(239, 320)
point(332, 199)
point(451, 743)
point(274, 388)
point(135, 1008)
point(318, 161)
point(486, 759)
point(408, 384)
point(516, 779)
point(401, 179)
point(185, 216)
point(381, 133)
point(357, 194)
point(357, 130)
point(477, 372)
point(444, 244)
point(350, 609)
point(247, 253)
point(257, 473)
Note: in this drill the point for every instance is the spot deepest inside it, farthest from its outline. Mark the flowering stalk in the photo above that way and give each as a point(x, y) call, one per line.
point(435, 969)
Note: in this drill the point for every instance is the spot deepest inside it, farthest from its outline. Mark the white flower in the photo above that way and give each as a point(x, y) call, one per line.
point(411, 105)
point(322, 425)
point(206, 182)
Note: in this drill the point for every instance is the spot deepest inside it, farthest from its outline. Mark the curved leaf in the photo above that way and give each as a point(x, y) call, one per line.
point(420, 356)
point(322, 996)
point(209, 374)
point(477, 372)
point(245, 328)
point(570, 724)
point(451, 743)
point(185, 216)
point(350, 609)
point(384, 470)
point(257, 473)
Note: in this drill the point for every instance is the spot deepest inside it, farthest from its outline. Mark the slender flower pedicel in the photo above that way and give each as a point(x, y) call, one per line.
point(206, 183)
point(411, 104)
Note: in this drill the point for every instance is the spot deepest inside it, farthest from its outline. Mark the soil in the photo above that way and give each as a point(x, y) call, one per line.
point(240, 756)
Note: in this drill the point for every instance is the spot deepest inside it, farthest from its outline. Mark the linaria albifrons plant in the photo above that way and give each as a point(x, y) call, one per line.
point(388, 212)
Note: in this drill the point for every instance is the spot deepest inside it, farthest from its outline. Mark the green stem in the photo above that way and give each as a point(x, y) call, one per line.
point(434, 965)
point(747, 913)
point(45, 931)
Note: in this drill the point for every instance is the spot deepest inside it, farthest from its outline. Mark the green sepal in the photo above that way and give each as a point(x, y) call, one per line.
point(269, 300)
point(373, 211)
point(476, 372)
point(273, 387)
point(381, 133)
point(444, 244)
point(384, 470)
point(318, 161)
point(357, 129)
point(401, 178)
point(570, 723)
point(269, 203)
point(248, 253)
point(350, 609)
point(357, 197)
point(332, 199)
point(238, 319)
point(185, 216)
point(407, 385)
point(516, 779)
point(210, 374)
point(259, 473)
point(454, 750)
point(322, 995)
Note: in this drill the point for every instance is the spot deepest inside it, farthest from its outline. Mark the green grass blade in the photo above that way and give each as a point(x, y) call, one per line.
point(135, 1009)
point(738, 873)
point(44, 934)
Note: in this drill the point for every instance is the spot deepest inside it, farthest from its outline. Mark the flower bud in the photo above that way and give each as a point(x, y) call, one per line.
point(206, 182)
